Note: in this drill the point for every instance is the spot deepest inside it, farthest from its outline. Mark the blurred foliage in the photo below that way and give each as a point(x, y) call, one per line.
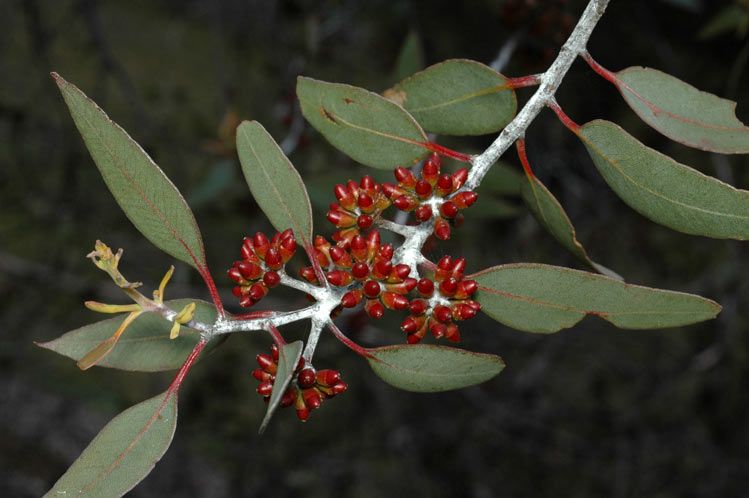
point(587, 412)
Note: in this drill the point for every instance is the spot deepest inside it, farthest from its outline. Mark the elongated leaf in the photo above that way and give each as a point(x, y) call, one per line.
point(410, 58)
point(457, 97)
point(502, 179)
point(367, 127)
point(552, 217)
point(124, 452)
point(664, 190)
point(543, 298)
point(144, 346)
point(273, 180)
point(426, 368)
point(682, 112)
point(151, 202)
point(288, 358)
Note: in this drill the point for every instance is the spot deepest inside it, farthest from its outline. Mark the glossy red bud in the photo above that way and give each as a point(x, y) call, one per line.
point(351, 299)
point(442, 229)
point(267, 363)
point(257, 292)
point(339, 387)
point(423, 189)
point(235, 275)
point(312, 399)
point(271, 279)
point(444, 184)
point(306, 378)
point(423, 213)
point(465, 199)
point(339, 278)
point(448, 209)
point(365, 201)
point(404, 176)
point(401, 271)
point(367, 183)
point(405, 203)
point(262, 375)
point(236, 290)
point(437, 330)
point(452, 333)
point(410, 325)
point(288, 397)
point(425, 287)
point(364, 221)
point(360, 270)
point(265, 388)
point(459, 178)
point(448, 287)
point(375, 309)
point(371, 289)
point(418, 306)
point(442, 313)
point(328, 377)
point(247, 252)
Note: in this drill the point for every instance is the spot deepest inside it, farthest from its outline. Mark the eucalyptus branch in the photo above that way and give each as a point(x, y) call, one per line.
point(550, 81)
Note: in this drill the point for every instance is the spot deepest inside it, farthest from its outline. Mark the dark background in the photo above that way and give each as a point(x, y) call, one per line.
point(592, 411)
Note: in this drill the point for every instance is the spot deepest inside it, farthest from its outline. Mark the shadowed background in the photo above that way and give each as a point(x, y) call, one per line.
point(592, 411)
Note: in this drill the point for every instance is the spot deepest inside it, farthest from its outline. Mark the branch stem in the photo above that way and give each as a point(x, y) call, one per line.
point(550, 81)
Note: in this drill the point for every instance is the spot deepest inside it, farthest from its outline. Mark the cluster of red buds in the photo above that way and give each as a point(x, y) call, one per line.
point(257, 271)
point(366, 262)
point(359, 205)
point(443, 301)
point(432, 190)
point(308, 388)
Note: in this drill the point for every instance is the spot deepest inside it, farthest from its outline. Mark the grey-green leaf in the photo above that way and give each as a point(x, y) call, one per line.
point(149, 199)
point(124, 452)
point(145, 345)
point(545, 299)
point(664, 190)
point(365, 126)
point(410, 58)
point(288, 357)
point(552, 217)
point(426, 368)
point(457, 97)
point(682, 112)
point(274, 182)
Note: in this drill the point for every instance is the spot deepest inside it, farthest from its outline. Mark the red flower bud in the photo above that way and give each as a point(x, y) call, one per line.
point(312, 399)
point(448, 209)
point(339, 278)
point(442, 313)
point(418, 306)
point(404, 177)
point(423, 189)
point(442, 229)
point(459, 178)
point(425, 287)
point(261, 244)
point(364, 221)
point(423, 212)
point(465, 199)
point(371, 289)
point(271, 279)
point(257, 292)
point(360, 270)
point(367, 183)
point(328, 377)
point(267, 363)
point(306, 378)
point(265, 388)
point(444, 184)
point(375, 309)
point(448, 287)
point(351, 298)
point(365, 201)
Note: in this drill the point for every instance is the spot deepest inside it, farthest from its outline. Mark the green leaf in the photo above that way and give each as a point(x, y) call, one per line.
point(552, 217)
point(457, 97)
point(503, 179)
point(683, 113)
point(365, 126)
point(149, 199)
point(425, 368)
point(545, 299)
point(124, 452)
point(145, 345)
point(663, 190)
point(410, 58)
point(275, 184)
point(288, 358)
